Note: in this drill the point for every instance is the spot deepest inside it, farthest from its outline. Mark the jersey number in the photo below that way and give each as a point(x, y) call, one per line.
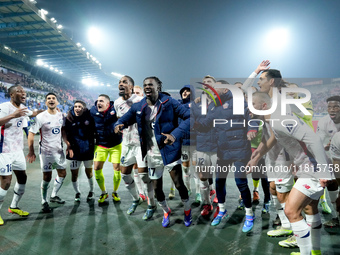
point(9, 168)
point(152, 171)
point(200, 161)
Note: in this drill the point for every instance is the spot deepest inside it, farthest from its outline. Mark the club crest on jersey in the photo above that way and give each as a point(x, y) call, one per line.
point(225, 106)
point(185, 156)
point(2, 170)
point(87, 122)
point(61, 121)
point(112, 112)
point(55, 131)
point(152, 125)
point(19, 123)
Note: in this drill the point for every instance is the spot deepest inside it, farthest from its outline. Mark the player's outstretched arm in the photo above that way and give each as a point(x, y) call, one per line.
point(261, 150)
point(18, 113)
point(119, 129)
point(69, 150)
point(169, 139)
point(31, 155)
point(35, 113)
point(264, 65)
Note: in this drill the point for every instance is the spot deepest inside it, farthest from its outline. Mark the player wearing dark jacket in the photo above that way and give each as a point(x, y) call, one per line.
point(80, 131)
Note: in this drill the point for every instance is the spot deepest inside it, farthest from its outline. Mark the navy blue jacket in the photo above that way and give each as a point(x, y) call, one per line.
point(104, 123)
point(188, 138)
point(80, 134)
point(231, 139)
point(205, 141)
point(166, 122)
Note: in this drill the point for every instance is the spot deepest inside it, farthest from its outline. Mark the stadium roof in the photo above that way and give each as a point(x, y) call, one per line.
point(29, 37)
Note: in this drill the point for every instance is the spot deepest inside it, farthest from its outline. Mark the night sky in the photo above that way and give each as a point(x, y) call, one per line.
point(181, 40)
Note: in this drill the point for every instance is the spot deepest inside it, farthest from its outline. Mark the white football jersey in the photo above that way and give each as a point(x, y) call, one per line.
point(11, 133)
point(334, 149)
point(130, 134)
point(49, 127)
point(326, 129)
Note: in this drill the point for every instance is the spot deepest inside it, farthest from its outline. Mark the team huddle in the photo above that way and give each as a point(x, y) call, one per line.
point(143, 137)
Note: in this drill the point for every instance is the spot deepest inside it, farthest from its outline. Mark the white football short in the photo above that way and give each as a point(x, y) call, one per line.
point(75, 164)
point(310, 187)
point(157, 172)
point(132, 155)
point(12, 161)
point(206, 158)
point(52, 161)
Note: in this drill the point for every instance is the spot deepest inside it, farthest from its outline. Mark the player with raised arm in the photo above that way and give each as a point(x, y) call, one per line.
point(49, 123)
point(309, 187)
point(79, 137)
point(131, 149)
point(12, 159)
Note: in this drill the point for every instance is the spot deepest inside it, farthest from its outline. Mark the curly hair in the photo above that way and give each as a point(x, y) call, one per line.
point(159, 83)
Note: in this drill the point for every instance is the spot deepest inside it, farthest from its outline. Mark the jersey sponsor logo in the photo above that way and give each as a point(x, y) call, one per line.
point(19, 123)
point(289, 127)
point(55, 131)
point(306, 186)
